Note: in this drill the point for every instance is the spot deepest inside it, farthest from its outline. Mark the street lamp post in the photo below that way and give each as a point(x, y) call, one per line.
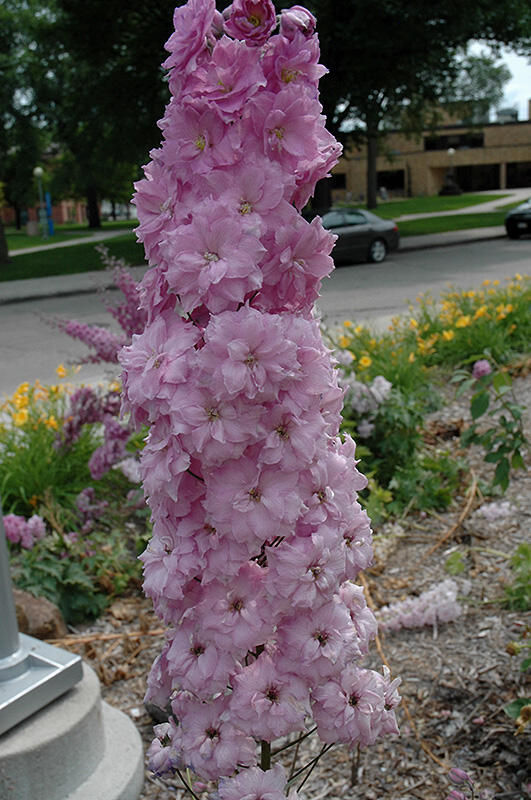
point(38, 172)
point(450, 185)
point(451, 154)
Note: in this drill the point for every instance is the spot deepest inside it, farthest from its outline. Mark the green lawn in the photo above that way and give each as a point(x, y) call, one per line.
point(427, 205)
point(69, 260)
point(454, 222)
point(17, 240)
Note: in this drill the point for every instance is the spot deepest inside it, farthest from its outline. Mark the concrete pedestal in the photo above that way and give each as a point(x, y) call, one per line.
point(75, 748)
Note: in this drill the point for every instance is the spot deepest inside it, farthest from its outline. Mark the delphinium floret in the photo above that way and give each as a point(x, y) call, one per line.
point(257, 532)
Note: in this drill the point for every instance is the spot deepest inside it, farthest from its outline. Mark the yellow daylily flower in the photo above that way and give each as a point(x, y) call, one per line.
point(61, 371)
point(20, 417)
point(448, 335)
point(364, 362)
point(463, 321)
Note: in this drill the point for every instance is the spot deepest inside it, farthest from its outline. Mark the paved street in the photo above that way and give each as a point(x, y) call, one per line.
point(30, 349)
point(375, 292)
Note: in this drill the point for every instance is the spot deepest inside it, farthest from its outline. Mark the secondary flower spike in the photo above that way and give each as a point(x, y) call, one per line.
point(257, 532)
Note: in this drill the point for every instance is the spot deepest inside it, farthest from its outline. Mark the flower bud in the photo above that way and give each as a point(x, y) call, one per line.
point(458, 776)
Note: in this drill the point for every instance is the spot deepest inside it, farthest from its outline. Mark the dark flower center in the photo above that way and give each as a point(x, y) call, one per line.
point(321, 637)
point(272, 694)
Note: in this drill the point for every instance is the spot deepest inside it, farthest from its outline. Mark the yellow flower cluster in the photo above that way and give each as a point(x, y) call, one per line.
point(33, 405)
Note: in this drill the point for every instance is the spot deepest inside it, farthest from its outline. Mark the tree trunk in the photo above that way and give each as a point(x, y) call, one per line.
point(372, 180)
point(93, 212)
point(113, 210)
point(18, 221)
point(322, 196)
point(4, 258)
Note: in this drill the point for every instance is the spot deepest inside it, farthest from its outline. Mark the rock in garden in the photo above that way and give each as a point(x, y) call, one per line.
point(38, 617)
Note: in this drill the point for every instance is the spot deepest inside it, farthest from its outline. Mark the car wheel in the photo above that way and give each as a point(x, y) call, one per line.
point(513, 233)
point(377, 251)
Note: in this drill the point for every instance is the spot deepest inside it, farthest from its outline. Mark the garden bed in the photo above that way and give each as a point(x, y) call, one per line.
point(456, 677)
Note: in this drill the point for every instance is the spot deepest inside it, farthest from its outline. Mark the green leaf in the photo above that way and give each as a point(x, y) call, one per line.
point(479, 404)
point(454, 564)
point(500, 380)
point(501, 476)
point(492, 458)
point(465, 386)
point(513, 708)
point(517, 462)
point(526, 663)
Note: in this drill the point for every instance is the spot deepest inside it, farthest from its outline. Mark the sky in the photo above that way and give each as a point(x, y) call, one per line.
point(518, 89)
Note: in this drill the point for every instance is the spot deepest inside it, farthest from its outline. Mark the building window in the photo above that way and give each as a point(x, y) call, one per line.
point(459, 141)
point(338, 180)
point(519, 174)
point(392, 179)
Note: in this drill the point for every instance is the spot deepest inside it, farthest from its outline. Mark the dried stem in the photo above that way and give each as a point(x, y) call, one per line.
point(265, 755)
point(295, 741)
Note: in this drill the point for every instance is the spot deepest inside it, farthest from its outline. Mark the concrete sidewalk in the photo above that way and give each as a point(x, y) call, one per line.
point(86, 282)
point(98, 236)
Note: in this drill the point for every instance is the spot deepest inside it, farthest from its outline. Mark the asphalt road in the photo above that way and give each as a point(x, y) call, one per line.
point(30, 349)
point(375, 292)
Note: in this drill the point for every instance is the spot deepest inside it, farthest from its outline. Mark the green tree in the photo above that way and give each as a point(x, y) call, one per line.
point(97, 82)
point(479, 88)
point(391, 63)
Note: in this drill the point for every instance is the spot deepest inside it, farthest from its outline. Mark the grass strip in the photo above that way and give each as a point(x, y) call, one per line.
point(70, 260)
point(427, 205)
point(454, 222)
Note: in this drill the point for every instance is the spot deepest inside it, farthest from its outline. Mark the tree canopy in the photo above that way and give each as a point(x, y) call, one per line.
point(391, 62)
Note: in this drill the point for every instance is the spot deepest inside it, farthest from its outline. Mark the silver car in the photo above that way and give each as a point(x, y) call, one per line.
point(362, 236)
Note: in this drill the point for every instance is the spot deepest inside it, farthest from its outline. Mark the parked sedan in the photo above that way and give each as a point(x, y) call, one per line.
point(362, 236)
point(518, 220)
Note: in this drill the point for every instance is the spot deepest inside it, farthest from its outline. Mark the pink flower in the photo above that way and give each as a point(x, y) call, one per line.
point(305, 571)
point(156, 362)
point(198, 140)
point(247, 353)
point(210, 743)
point(351, 708)
point(250, 20)
point(212, 260)
point(228, 81)
point(317, 643)
point(36, 527)
point(282, 122)
point(192, 23)
point(268, 702)
point(288, 61)
point(196, 663)
point(254, 784)
point(297, 20)
point(481, 368)
point(255, 504)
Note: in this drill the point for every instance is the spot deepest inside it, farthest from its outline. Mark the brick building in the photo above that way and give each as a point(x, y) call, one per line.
point(491, 156)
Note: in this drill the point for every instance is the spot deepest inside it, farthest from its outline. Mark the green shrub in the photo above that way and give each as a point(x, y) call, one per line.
point(32, 466)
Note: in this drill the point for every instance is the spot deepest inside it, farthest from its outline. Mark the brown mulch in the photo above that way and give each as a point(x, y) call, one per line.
point(455, 678)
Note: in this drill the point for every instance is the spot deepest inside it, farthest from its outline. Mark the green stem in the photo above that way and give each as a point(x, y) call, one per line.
point(265, 755)
point(187, 785)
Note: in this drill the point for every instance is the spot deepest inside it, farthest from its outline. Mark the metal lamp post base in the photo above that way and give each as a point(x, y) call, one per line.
point(32, 677)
